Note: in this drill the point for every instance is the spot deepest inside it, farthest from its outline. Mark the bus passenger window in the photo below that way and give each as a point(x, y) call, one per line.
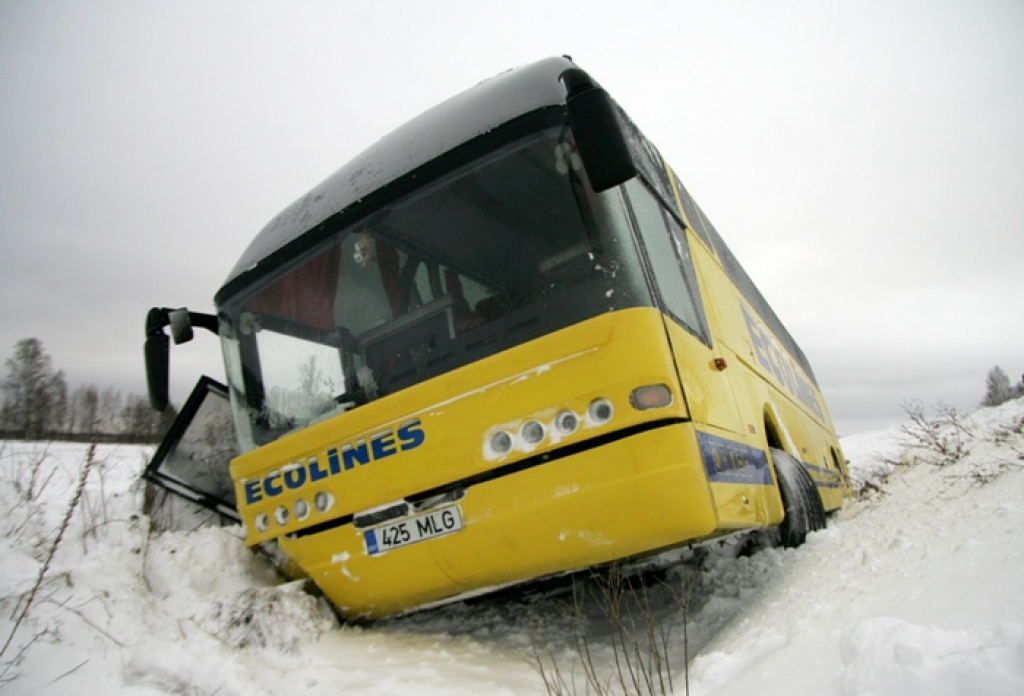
point(670, 260)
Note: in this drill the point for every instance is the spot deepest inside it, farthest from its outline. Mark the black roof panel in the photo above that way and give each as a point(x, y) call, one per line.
point(427, 136)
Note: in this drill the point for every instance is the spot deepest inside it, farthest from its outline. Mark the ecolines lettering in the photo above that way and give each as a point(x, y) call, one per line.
point(778, 362)
point(341, 458)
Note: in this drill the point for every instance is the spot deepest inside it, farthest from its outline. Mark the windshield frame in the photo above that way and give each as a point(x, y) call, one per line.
point(243, 360)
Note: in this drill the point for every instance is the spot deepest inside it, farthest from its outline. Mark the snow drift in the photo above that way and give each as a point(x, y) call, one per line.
point(917, 586)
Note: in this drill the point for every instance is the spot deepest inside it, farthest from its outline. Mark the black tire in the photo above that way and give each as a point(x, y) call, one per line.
point(804, 510)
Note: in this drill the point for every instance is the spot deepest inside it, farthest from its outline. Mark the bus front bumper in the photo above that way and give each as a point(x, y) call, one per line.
point(626, 497)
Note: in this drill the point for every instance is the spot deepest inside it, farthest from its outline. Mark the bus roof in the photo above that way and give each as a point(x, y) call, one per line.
point(427, 136)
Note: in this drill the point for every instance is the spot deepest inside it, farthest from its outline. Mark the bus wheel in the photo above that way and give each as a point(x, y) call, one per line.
point(804, 510)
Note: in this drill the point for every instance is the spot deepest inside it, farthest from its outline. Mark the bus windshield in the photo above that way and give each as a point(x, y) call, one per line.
point(509, 247)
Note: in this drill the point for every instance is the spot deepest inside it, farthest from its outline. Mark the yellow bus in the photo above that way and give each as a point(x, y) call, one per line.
point(505, 343)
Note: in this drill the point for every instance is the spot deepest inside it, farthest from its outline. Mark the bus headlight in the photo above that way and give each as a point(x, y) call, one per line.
point(323, 501)
point(600, 411)
point(281, 515)
point(501, 443)
point(262, 522)
point(566, 422)
point(532, 432)
point(301, 509)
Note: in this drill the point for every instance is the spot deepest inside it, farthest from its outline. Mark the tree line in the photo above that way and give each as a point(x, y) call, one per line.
point(37, 405)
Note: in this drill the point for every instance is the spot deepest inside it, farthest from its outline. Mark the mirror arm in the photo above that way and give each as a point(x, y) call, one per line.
point(156, 319)
point(205, 321)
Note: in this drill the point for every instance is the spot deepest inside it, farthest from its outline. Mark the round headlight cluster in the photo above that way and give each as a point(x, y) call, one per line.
point(533, 432)
point(301, 510)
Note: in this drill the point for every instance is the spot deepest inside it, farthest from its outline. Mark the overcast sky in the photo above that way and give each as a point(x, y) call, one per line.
point(864, 160)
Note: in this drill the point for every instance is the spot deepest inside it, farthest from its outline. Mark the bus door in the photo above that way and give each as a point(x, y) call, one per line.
point(737, 470)
point(708, 392)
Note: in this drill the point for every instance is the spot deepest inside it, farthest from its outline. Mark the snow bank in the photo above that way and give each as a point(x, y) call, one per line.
point(873, 455)
point(916, 587)
point(890, 657)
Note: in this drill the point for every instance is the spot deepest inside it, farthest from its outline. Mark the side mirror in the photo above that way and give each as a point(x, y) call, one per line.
point(181, 325)
point(599, 137)
point(157, 354)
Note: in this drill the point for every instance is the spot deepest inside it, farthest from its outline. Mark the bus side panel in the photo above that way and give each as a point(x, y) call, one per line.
point(614, 501)
point(791, 402)
point(814, 444)
point(742, 502)
point(722, 406)
point(768, 383)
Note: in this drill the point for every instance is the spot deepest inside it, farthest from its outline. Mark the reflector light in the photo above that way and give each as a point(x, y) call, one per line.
point(262, 523)
point(301, 508)
point(532, 432)
point(281, 515)
point(501, 442)
point(323, 501)
point(566, 422)
point(600, 411)
point(650, 396)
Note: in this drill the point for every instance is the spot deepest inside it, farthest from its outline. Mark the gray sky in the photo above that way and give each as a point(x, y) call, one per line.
point(865, 161)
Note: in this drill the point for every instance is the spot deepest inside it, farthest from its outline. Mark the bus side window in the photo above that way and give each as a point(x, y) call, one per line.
point(670, 259)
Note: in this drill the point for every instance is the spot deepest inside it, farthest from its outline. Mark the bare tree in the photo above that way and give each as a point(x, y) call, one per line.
point(109, 413)
point(165, 419)
point(997, 388)
point(34, 394)
point(35, 403)
point(310, 377)
point(59, 407)
point(140, 422)
point(84, 408)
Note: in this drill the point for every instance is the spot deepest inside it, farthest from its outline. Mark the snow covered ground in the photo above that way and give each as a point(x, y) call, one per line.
point(916, 587)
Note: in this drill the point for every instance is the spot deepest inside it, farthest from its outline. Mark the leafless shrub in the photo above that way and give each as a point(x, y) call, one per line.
point(638, 637)
point(1005, 434)
point(27, 604)
point(27, 475)
point(948, 438)
point(989, 471)
point(941, 440)
point(28, 478)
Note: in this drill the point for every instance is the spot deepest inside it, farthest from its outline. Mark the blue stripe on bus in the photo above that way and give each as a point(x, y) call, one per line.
point(728, 461)
point(833, 480)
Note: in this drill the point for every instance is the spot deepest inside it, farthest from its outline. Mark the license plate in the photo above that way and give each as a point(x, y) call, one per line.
point(410, 530)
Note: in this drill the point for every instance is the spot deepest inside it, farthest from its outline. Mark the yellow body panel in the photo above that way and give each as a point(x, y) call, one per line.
point(606, 357)
point(643, 481)
point(763, 383)
point(614, 501)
